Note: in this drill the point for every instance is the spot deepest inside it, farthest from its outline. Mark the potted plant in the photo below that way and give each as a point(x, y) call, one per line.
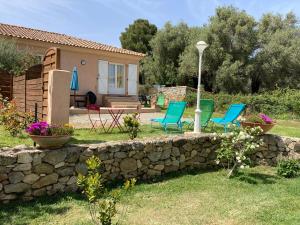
point(49, 136)
point(261, 120)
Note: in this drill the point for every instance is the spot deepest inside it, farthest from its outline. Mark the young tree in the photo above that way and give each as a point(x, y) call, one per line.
point(137, 36)
point(14, 60)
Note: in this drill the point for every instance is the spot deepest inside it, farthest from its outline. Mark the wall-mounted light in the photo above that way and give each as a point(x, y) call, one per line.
point(83, 62)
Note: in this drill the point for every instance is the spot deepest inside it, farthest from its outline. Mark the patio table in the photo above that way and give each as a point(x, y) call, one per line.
point(115, 115)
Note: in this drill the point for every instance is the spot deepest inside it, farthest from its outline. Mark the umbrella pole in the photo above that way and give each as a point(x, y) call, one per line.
point(74, 98)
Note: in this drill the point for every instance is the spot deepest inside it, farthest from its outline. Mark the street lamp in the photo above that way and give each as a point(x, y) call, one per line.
point(201, 45)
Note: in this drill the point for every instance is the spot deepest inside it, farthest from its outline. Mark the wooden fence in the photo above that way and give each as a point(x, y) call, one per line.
point(51, 61)
point(28, 90)
point(6, 84)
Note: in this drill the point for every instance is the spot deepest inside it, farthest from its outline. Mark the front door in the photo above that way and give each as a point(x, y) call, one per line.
point(116, 79)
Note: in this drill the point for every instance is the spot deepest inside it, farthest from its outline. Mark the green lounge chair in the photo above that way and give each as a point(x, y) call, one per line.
point(160, 101)
point(173, 115)
point(207, 108)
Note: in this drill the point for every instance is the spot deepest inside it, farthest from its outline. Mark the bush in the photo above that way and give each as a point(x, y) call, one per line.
point(288, 168)
point(132, 125)
point(280, 103)
point(12, 120)
point(44, 129)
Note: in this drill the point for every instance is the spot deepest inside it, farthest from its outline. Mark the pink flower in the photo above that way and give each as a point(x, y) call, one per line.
point(265, 118)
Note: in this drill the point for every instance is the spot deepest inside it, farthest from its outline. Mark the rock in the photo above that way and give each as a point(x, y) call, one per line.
point(153, 173)
point(6, 160)
point(63, 180)
point(3, 176)
point(58, 187)
point(171, 168)
point(159, 167)
point(139, 155)
point(15, 177)
point(120, 155)
point(31, 178)
point(182, 158)
point(1, 186)
point(22, 167)
point(166, 153)
point(43, 168)
point(297, 147)
point(194, 153)
point(128, 165)
point(67, 171)
point(47, 180)
point(81, 168)
point(73, 155)
point(58, 165)
point(4, 169)
point(37, 159)
point(39, 192)
point(55, 157)
point(175, 152)
point(71, 188)
point(16, 188)
point(154, 156)
point(24, 157)
point(7, 197)
point(139, 163)
point(72, 180)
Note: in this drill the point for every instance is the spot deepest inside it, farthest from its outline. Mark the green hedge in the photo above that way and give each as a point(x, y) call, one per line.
point(282, 103)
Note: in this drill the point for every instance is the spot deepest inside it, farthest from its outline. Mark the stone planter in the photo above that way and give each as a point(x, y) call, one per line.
point(264, 127)
point(50, 142)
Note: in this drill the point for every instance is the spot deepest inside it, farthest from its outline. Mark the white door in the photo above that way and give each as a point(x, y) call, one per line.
point(102, 77)
point(132, 79)
point(116, 79)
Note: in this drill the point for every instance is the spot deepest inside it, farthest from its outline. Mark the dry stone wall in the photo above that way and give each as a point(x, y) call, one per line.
point(26, 173)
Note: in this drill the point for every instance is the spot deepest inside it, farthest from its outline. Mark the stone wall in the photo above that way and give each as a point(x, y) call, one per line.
point(28, 173)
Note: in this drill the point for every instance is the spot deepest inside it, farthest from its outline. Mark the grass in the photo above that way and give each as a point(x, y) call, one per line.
point(256, 196)
point(84, 136)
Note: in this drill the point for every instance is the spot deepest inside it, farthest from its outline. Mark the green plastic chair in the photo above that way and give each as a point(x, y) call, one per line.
point(160, 101)
point(173, 115)
point(207, 107)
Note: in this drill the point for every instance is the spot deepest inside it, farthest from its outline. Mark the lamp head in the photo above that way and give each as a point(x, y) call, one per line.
point(201, 45)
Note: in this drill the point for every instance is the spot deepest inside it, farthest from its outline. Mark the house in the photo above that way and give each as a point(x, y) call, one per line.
point(109, 72)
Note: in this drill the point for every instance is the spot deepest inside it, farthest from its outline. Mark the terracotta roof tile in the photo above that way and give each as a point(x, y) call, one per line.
point(50, 37)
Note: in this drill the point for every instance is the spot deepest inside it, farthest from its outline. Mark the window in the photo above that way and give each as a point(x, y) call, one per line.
point(116, 75)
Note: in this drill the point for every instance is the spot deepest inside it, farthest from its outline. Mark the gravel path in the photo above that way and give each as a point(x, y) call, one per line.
point(82, 120)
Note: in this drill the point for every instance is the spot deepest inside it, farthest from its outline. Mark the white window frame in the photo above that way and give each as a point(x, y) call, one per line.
point(116, 73)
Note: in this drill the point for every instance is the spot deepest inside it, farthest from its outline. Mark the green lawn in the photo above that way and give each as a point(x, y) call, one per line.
point(257, 196)
point(85, 136)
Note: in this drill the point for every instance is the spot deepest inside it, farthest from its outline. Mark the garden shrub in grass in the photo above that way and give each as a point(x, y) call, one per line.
point(13, 120)
point(102, 204)
point(132, 125)
point(288, 168)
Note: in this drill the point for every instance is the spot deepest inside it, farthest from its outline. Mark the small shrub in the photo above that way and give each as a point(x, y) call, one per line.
point(12, 120)
point(236, 147)
point(132, 125)
point(288, 168)
point(102, 204)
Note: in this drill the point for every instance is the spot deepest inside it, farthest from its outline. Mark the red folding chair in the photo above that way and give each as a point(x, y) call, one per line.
point(95, 122)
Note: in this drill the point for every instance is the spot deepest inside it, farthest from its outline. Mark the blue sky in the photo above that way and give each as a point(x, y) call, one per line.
point(104, 20)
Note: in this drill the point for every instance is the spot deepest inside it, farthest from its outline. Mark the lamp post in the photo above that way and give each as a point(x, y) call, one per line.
point(201, 45)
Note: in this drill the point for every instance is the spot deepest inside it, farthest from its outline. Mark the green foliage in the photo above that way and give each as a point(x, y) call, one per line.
point(61, 130)
point(102, 204)
point(288, 168)
point(236, 147)
point(132, 125)
point(255, 119)
point(167, 46)
point(137, 36)
point(279, 103)
point(13, 120)
point(14, 60)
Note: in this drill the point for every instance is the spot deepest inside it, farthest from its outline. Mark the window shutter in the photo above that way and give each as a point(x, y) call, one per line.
point(132, 79)
point(102, 77)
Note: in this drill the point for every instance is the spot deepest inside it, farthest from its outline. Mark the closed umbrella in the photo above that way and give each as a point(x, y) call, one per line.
point(74, 82)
